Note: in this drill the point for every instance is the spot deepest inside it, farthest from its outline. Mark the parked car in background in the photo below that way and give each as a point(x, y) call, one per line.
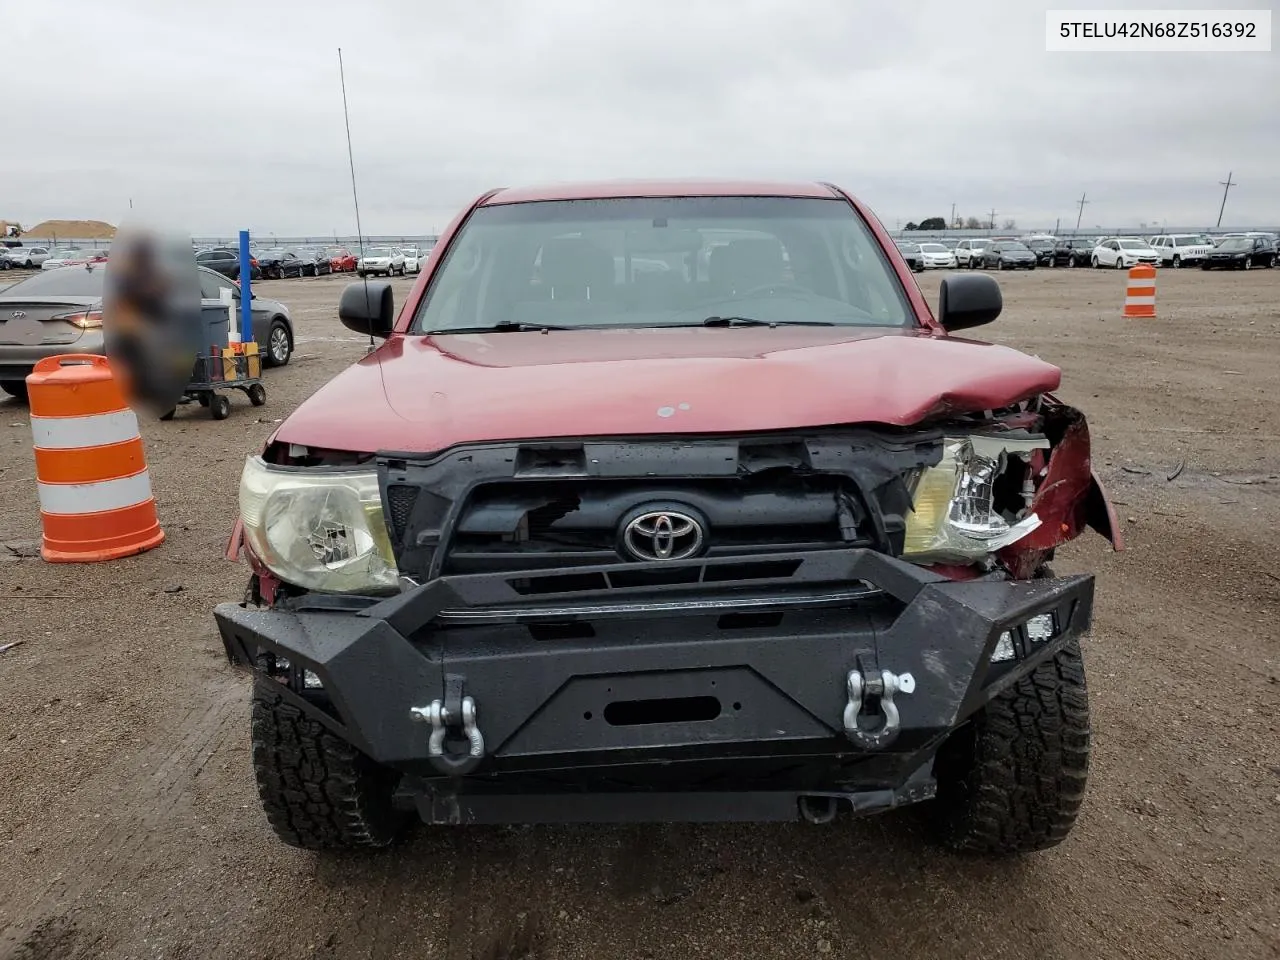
point(383, 261)
point(315, 262)
point(278, 263)
point(1175, 249)
point(1241, 253)
point(1074, 251)
point(23, 257)
point(938, 256)
point(341, 259)
point(226, 261)
point(61, 257)
point(413, 258)
point(60, 311)
point(1123, 253)
point(912, 253)
point(969, 251)
point(1007, 255)
point(1043, 248)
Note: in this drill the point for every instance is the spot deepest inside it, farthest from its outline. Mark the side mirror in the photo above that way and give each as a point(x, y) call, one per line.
point(368, 308)
point(968, 300)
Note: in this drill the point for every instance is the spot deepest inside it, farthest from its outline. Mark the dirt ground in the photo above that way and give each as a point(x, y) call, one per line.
point(130, 826)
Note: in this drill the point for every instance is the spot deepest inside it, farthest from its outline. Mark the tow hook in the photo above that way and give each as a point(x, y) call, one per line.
point(452, 721)
point(884, 685)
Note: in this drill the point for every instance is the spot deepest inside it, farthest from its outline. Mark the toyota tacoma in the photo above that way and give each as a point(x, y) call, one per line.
point(669, 502)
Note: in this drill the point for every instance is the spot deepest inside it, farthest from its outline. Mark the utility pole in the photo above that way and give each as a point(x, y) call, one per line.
point(952, 222)
point(1226, 185)
point(993, 218)
point(1056, 224)
point(1080, 203)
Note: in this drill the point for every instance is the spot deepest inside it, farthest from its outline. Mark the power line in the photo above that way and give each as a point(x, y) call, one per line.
point(1226, 185)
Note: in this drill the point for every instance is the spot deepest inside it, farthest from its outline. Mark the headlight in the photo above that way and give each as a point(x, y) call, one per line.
point(954, 518)
point(318, 530)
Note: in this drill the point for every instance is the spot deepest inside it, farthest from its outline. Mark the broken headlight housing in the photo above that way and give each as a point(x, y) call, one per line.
point(317, 529)
point(955, 518)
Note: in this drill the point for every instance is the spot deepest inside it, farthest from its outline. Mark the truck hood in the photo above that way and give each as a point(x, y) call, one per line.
point(421, 394)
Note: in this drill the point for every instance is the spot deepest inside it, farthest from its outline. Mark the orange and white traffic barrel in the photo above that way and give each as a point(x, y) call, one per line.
point(1140, 298)
point(91, 475)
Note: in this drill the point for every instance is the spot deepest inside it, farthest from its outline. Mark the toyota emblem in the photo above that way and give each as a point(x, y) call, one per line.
point(663, 535)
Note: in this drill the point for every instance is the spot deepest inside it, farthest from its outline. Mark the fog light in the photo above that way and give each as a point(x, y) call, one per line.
point(1041, 628)
point(310, 680)
point(1004, 649)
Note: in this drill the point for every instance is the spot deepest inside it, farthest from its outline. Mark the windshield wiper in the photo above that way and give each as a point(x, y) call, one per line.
point(506, 326)
point(754, 322)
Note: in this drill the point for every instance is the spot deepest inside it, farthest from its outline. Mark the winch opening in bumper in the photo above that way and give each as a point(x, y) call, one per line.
point(813, 679)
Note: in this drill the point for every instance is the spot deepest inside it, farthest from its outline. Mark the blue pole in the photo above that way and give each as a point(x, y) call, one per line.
point(246, 294)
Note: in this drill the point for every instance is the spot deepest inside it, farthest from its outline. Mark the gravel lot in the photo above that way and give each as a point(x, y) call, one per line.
point(129, 821)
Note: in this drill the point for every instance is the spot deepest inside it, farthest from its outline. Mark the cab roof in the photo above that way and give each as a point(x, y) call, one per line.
point(617, 189)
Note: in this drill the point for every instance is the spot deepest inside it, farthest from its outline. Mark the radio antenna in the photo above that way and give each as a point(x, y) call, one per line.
point(355, 197)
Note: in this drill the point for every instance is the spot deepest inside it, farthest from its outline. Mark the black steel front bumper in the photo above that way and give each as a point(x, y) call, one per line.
point(688, 690)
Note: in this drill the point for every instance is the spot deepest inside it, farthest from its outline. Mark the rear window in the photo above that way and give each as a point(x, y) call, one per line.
point(651, 262)
point(69, 281)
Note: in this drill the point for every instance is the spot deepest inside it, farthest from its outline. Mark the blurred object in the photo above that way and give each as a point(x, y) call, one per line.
point(91, 474)
point(152, 323)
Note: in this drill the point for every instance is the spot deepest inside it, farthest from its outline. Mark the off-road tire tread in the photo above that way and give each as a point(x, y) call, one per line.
point(1028, 763)
point(318, 791)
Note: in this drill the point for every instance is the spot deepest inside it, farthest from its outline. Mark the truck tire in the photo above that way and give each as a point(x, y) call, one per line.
point(1013, 779)
point(318, 791)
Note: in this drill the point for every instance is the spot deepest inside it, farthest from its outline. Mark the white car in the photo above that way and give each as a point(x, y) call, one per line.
point(1123, 253)
point(1175, 249)
point(28, 257)
point(938, 256)
point(386, 261)
point(60, 258)
point(413, 258)
point(969, 252)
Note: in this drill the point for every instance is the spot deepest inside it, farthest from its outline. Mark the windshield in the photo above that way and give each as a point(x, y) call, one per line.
point(1040, 244)
point(378, 252)
point(67, 282)
point(1236, 243)
point(649, 262)
point(65, 254)
point(933, 248)
point(1132, 245)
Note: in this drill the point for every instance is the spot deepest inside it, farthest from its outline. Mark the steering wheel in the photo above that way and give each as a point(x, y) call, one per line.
point(773, 288)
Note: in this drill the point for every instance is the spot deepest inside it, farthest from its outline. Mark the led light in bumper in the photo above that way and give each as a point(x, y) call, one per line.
point(1041, 628)
point(317, 529)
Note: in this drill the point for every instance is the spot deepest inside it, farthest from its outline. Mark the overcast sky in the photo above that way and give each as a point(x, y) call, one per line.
point(215, 117)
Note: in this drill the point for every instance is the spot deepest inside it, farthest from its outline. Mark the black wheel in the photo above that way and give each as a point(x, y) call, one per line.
point(219, 406)
point(1177, 262)
point(1119, 264)
point(257, 394)
point(1271, 262)
point(15, 388)
point(1248, 263)
point(318, 791)
point(1095, 263)
point(1013, 779)
point(279, 346)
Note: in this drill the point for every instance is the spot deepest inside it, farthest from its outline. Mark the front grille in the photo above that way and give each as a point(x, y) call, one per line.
point(506, 526)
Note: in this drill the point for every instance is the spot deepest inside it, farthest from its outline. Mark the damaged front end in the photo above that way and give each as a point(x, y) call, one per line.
point(995, 491)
